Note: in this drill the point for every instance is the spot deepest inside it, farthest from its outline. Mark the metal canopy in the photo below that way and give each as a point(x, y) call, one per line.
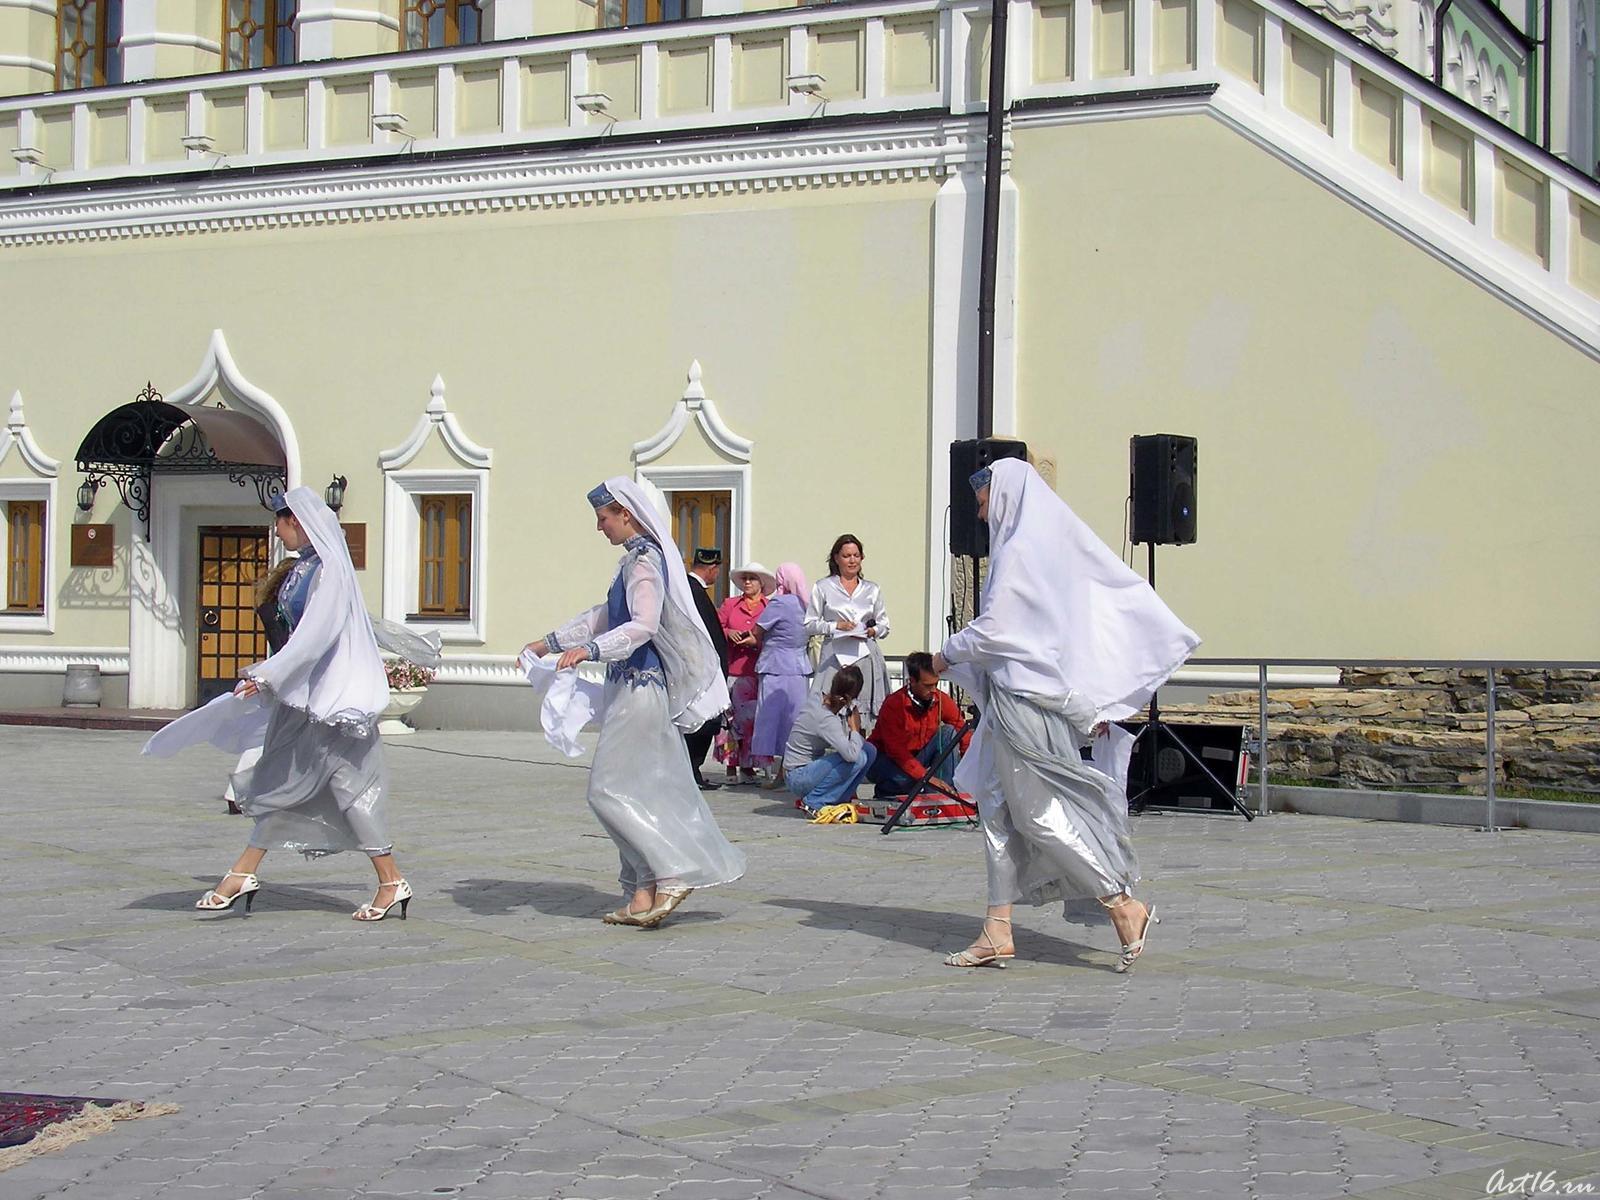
point(148, 437)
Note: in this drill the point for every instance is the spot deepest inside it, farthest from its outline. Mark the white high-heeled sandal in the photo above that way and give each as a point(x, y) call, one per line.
point(1132, 950)
point(215, 901)
point(966, 958)
point(371, 912)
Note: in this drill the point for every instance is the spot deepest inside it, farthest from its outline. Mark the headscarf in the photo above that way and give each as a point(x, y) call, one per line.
point(792, 582)
point(696, 690)
point(1060, 612)
point(329, 668)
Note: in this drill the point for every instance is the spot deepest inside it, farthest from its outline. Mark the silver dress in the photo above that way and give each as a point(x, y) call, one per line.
point(317, 788)
point(1054, 827)
point(641, 786)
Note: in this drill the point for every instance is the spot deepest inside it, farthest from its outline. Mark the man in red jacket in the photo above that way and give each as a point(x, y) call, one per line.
point(916, 724)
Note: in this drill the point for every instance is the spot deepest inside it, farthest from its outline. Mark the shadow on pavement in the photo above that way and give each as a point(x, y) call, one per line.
point(504, 897)
point(929, 930)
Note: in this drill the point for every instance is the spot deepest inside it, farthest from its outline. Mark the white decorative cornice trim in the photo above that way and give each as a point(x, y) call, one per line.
point(217, 368)
point(366, 16)
point(695, 405)
point(390, 188)
point(499, 670)
point(436, 416)
point(20, 660)
point(188, 41)
point(49, 8)
point(31, 64)
point(16, 433)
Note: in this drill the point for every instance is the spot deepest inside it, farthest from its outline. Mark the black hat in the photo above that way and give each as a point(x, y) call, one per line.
point(707, 556)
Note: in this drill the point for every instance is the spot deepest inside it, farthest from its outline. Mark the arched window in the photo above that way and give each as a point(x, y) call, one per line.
point(257, 33)
point(88, 43)
point(428, 23)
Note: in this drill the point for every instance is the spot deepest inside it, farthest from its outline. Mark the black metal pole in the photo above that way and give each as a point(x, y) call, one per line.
point(989, 251)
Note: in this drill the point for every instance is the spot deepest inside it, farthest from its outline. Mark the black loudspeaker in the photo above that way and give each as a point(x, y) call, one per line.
point(1177, 783)
point(969, 537)
point(1163, 467)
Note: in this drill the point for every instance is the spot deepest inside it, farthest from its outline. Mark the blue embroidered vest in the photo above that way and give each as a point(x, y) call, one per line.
point(643, 665)
point(296, 587)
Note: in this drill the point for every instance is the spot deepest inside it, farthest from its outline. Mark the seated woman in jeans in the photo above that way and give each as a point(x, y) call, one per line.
point(826, 756)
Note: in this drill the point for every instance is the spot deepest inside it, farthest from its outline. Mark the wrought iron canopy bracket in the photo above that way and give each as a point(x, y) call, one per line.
point(132, 444)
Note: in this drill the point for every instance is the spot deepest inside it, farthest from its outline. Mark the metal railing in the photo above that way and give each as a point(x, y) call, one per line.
point(1299, 673)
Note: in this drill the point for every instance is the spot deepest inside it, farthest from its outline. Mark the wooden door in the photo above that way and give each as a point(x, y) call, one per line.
point(704, 519)
point(230, 634)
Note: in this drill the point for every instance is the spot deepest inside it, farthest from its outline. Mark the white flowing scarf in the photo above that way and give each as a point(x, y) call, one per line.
point(329, 668)
point(1060, 612)
point(696, 690)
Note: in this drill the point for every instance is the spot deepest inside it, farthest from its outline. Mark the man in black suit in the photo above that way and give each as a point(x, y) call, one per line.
point(705, 568)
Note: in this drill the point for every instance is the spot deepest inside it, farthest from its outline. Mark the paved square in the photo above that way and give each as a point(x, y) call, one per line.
point(1329, 1007)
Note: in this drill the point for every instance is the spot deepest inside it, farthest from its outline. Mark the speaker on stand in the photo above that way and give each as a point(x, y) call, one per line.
point(1163, 470)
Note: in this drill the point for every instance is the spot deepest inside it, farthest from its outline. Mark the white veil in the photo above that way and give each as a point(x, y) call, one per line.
point(330, 667)
point(1060, 612)
point(696, 690)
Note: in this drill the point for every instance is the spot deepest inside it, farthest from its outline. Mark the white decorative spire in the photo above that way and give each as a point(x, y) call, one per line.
point(697, 406)
point(16, 433)
point(437, 415)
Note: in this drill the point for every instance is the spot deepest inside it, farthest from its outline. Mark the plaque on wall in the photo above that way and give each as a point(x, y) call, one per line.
point(355, 536)
point(93, 546)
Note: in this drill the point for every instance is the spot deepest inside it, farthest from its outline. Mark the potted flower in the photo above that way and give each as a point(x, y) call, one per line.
point(408, 683)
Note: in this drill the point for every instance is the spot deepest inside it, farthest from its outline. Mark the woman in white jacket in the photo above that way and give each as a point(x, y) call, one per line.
point(847, 612)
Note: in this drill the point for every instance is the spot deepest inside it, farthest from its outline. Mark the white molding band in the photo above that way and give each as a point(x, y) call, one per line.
point(24, 660)
point(693, 405)
point(395, 188)
point(188, 41)
point(16, 433)
point(365, 16)
point(30, 64)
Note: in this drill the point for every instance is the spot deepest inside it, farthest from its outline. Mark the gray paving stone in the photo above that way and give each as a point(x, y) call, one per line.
point(1315, 986)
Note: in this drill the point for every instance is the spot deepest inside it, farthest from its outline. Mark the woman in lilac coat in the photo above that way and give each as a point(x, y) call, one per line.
point(783, 668)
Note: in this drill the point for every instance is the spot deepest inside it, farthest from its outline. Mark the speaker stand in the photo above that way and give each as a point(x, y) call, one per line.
point(1156, 731)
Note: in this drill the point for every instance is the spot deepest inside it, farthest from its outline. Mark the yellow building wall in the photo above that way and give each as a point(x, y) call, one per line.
point(563, 337)
point(1393, 461)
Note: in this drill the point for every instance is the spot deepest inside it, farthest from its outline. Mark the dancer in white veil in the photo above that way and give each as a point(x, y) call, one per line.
point(663, 679)
point(320, 785)
point(1067, 638)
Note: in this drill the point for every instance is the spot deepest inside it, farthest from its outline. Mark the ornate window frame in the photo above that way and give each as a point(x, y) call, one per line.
point(402, 489)
point(40, 484)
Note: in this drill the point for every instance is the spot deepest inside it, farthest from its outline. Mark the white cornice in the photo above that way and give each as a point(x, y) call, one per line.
point(217, 368)
point(399, 188)
point(16, 433)
point(25, 660)
point(693, 405)
point(437, 416)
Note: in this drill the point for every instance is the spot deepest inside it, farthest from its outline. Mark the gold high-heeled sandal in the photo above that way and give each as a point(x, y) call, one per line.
point(215, 901)
point(996, 958)
point(1132, 950)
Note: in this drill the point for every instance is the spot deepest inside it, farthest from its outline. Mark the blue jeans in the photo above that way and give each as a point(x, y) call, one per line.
point(830, 780)
point(890, 780)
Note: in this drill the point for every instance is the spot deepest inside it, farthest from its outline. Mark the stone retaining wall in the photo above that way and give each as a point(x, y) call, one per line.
point(1425, 728)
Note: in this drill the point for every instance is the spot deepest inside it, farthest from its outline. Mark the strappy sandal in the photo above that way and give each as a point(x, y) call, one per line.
point(1132, 950)
point(996, 957)
point(215, 901)
point(371, 912)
